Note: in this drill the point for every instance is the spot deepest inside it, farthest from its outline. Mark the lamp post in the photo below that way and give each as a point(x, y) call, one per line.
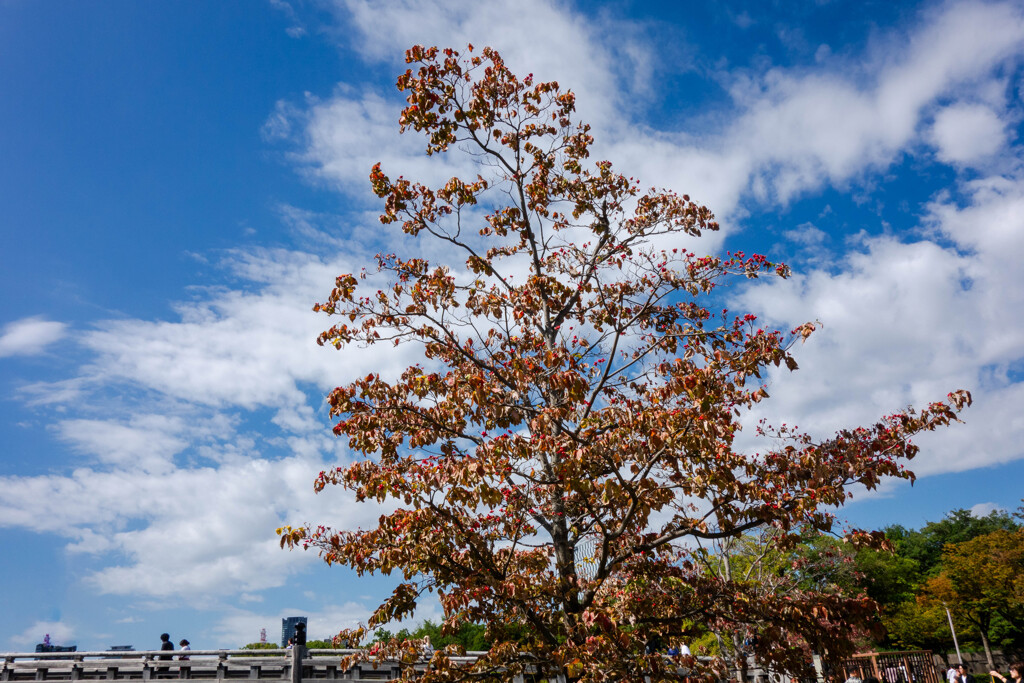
point(953, 631)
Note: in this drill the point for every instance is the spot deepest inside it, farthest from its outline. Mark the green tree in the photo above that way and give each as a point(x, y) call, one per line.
point(570, 435)
point(888, 577)
point(260, 646)
point(925, 546)
point(983, 580)
point(323, 644)
point(771, 565)
point(920, 623)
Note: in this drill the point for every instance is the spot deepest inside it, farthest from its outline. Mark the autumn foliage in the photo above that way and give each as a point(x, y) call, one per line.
point(569, 437)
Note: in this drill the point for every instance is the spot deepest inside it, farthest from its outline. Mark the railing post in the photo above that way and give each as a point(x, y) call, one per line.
point(298, 652)
point(222, 665)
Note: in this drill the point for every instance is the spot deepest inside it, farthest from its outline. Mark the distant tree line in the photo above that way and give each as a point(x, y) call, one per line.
point(971, 565)
point(974, 566)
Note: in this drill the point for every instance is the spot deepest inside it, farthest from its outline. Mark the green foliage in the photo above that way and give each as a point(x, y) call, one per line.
point(925, 546)
point(261, 646)
point(325, 644)
point(470, 637)
point(913, 584)
point(886, 577)
point(382, 635)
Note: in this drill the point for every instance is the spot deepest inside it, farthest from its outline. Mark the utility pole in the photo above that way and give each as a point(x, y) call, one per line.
point(953, 631)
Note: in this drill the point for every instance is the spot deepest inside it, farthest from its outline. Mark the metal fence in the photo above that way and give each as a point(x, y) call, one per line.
point(893, 667)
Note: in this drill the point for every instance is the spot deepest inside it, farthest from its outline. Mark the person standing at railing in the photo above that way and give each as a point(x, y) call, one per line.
point(185, 649)
point(165, 644)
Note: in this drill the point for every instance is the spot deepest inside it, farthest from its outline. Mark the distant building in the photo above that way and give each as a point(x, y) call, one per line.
point(43, 647)
point(288, 628)
point(122, 648)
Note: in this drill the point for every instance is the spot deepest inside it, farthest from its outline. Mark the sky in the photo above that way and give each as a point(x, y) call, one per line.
point(181, 181)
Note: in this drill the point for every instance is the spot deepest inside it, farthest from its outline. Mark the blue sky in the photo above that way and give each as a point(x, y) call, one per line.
point(180, 181)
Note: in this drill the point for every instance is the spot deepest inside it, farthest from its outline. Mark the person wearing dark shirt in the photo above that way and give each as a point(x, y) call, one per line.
point(165, 644)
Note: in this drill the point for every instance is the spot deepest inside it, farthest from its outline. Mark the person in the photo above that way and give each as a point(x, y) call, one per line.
point(1016, 673)
point(951, 674)
point(165, 644)
point(428, 649)
point(291, 643)
point(184, 648)
point(961, 674)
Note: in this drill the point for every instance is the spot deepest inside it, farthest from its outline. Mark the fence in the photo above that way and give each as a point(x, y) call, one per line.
point(298, 665)
point(893, 667)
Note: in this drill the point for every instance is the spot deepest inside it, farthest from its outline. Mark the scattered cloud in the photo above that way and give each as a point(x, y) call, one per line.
point(984, 509)
point(800, 129)
point(905, 322)
point(965, 133)
point(30, 336)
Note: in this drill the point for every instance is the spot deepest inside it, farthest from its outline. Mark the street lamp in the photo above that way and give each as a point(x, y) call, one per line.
point(953, 631)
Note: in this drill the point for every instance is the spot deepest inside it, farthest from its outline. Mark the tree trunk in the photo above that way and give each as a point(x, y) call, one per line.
point(740, 660)
point(988, 650)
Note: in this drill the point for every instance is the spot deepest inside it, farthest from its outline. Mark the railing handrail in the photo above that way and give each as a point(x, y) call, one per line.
point(138, 654)
point(154, 654)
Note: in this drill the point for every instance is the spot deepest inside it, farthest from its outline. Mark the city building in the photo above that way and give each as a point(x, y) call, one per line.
point(288, 628)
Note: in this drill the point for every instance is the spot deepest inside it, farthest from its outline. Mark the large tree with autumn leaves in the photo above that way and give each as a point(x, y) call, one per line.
point(567, 443)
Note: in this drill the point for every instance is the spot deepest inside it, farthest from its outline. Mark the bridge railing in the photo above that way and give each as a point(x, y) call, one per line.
point(298, 665)
point(294, 666)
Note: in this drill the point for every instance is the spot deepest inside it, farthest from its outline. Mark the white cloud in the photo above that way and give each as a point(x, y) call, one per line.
point(802, 129)
point(984, 509)
point(250, 347)
point(906, 322)
point(195, 476)
point(191, 533)
point(964, 133)
point(592, 54)
point(147, 442)
point(348, 134)
point(30, 336)
point(794, 130)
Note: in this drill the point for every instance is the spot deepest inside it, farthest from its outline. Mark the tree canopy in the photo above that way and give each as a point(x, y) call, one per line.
point(968, 563)
point(569, 440)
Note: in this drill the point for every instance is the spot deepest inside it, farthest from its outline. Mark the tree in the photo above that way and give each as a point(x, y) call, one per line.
point(926, 546)
point(982, 580)
point(816, 568)
point(904, 582)
point(570, 433)
point(920, 622)
point(260, 646)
